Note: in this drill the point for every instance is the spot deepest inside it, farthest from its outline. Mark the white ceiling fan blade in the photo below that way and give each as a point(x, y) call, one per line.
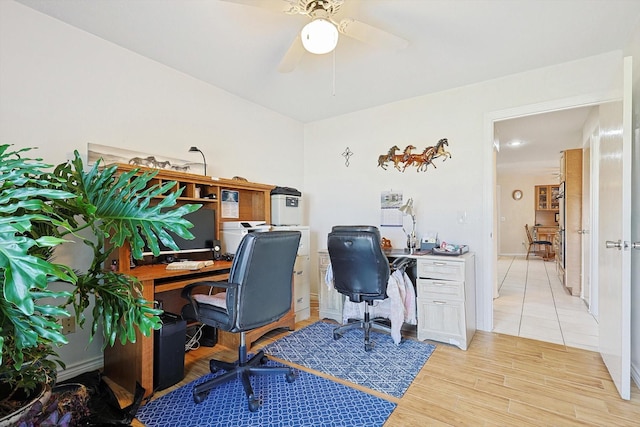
point(292, 57)
point(272, 5)
point(371, 35)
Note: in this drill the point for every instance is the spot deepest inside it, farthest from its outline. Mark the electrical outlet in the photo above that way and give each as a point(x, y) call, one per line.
point(68, 324)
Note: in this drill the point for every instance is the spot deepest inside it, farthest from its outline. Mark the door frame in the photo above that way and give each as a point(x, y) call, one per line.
point(486, 292)
point(594, 143)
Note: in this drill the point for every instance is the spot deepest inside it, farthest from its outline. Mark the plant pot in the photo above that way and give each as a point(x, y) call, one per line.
point(41, 394)
point(72, 398)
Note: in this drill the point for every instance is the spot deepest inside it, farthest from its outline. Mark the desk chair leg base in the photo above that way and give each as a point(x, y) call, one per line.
point(340, 330)
point(254, 404)
point(216, 365)
point(242, 369)
point(367, 325)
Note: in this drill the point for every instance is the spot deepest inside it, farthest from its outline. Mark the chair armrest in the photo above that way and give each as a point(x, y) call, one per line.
point(186, 291)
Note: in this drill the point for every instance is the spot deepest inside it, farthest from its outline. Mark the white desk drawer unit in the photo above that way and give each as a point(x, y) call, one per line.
point(442, 268)
point(301, 272)
point(446, 300)
point(441, 289)
point(330, 300)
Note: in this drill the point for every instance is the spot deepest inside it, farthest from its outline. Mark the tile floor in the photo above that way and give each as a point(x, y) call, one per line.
point(534, 304)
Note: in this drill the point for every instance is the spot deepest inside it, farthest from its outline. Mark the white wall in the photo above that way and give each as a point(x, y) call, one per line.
point(61, 88)
point(340, 195)
point(514, 214)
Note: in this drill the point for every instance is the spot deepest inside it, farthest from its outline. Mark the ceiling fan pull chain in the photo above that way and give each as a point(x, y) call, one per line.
point(334, 73)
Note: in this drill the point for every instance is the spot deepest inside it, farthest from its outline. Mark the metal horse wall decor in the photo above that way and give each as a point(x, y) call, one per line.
point(421, 161)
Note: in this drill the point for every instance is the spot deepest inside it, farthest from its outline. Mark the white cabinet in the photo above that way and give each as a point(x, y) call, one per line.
point(301, 288)
point(330, 301)
point(446, 299)
point(301, 277)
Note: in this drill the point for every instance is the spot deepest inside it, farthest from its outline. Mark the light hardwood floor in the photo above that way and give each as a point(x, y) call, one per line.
point(500, 380)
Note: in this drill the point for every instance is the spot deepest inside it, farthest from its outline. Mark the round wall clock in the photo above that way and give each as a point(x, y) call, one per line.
point(517, 194)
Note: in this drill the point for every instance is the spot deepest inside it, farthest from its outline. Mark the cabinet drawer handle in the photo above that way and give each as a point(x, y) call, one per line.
point(439, 264)
point(440, 302)
point(438, 284)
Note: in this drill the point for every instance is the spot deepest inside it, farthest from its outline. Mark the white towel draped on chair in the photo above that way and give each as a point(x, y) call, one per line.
point(399, 307)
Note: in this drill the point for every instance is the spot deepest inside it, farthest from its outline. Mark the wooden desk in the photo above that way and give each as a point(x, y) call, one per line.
point(546, 233)
point(126, 364)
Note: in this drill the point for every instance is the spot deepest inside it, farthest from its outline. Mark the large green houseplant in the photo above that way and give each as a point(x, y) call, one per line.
point(41, 208)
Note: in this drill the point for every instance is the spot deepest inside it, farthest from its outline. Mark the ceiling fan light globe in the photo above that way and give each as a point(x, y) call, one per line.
point(319, 36)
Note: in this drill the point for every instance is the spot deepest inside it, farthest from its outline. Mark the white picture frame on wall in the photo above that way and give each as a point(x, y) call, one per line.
point(111, 155)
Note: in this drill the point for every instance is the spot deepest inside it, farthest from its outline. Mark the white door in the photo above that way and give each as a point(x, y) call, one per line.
point(614, 232)
point(586, 224)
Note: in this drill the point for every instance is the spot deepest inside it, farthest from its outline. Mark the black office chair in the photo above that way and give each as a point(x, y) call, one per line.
point(258, 292)
point(360, 271)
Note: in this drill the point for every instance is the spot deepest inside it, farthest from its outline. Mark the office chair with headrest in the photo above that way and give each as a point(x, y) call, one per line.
point(258, 292)
point(360, 272)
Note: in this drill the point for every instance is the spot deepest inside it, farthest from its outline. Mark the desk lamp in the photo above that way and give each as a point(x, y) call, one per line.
point(194, 149)
point(408, 209)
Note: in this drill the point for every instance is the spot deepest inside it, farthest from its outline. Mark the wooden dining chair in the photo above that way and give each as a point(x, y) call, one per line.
point(535, 245)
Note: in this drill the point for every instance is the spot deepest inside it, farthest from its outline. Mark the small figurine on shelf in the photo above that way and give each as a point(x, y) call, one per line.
point(385, 244)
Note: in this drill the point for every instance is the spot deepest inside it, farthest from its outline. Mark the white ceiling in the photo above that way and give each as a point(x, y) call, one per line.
point(542, 138)
point(452, 43)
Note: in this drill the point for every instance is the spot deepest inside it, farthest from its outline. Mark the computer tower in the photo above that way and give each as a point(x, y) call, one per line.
point(168, 351)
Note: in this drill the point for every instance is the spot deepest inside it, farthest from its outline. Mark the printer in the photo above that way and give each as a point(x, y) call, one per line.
point(232, 232)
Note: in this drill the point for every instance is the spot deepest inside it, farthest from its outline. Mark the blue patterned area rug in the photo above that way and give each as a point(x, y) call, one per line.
point(388, 368)
point(308, 401)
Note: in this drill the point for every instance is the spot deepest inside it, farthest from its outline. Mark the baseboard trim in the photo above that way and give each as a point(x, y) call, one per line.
point(80, 368)
point(635, 375)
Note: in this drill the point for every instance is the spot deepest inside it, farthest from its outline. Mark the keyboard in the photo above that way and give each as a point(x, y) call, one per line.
point(188, 265)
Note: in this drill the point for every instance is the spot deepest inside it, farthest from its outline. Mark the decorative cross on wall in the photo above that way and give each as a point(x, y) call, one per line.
point(347, 154)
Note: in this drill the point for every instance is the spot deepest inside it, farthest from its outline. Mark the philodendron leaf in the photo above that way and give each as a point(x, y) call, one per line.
point(123, 202)
point(23, 271)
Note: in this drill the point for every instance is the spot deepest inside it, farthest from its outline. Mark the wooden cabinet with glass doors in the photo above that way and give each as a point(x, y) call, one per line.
point(547, 207)
point(547, 197)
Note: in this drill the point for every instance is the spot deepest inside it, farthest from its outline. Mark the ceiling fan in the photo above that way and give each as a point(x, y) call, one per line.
point(321, 34)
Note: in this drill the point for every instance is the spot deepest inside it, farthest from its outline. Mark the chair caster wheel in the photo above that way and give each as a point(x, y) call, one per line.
point(254, 404)
point(199, 398)
point(264, 360)
point(291, 377)
point(368, 347)
point(336, 336)
point(212, 367)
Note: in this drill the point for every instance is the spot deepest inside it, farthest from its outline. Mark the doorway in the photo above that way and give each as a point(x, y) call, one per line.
point(532, 301)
